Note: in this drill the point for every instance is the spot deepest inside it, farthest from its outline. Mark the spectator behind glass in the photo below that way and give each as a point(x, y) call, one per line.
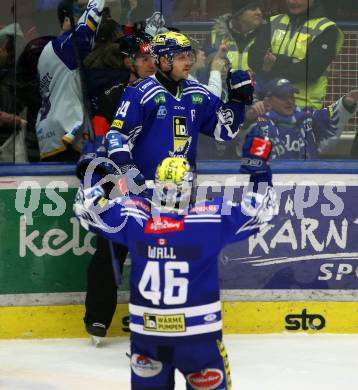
point(298, 134)
point(237, 31)
point(61, 122)
point(104, 64)
point(137, 11)
point(299, 46)
point(28, 89)
point(217, 66)
point(10, 102)
point(200, 9)
point(45, 17)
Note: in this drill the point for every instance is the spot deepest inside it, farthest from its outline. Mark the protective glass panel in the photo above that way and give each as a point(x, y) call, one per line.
point(47, 108)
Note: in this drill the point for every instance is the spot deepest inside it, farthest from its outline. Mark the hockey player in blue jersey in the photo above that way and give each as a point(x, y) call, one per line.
point(163, 115)
point(175, 310)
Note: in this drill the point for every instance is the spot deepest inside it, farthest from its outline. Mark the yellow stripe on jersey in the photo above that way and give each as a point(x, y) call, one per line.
point(91, 25)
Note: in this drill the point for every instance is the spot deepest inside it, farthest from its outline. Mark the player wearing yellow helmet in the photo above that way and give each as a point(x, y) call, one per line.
point(175, 308)
point(173, 54)
point(174, 180)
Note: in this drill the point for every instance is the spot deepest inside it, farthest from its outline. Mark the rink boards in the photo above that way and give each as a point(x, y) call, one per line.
point(299, 274)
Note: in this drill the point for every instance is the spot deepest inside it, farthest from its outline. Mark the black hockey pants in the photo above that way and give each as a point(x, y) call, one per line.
point(101, 298)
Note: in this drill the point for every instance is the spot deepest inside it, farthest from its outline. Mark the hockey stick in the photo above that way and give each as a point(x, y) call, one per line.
point(91, 131)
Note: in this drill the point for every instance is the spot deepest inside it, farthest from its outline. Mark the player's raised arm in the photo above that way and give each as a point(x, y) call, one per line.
point(329, 123)
point(230, 115)
point(86, 29)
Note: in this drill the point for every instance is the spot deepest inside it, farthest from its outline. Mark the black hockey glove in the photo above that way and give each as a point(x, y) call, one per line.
point(92, 150)
point(240, 87)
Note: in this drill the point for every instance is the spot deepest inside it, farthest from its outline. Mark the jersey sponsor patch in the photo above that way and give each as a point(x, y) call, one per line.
point(180, 127)
point(144, 366)
point(118, 124)
point(163, 225)
point(196, 98)
point(211, 208)
point(164, 323)
point(160, 99)
point(260, 147)
point(183, 148)
point(207, 379)
point(180, 132)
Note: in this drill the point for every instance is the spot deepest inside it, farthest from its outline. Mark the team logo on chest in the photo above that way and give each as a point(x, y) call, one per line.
point(180, 131)
point(162, 112)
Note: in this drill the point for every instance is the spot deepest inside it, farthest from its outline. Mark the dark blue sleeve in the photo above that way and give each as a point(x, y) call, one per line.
point(86, 29)
point(128, 120)
point(99, 215)
point(245, 219)
point(330, 122)
point(222, 120)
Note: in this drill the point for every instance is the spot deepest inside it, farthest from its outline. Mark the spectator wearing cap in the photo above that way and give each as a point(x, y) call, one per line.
point(62, 122)
point(298, 46)
point(237, 31)
point(296, 133)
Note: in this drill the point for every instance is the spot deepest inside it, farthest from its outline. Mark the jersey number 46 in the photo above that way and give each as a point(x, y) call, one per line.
point(172, 290)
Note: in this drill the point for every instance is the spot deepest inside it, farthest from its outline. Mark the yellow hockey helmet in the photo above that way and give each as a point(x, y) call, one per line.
point(173, 182)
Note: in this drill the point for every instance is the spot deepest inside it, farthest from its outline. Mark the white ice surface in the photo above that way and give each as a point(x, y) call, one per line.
point(257, 362)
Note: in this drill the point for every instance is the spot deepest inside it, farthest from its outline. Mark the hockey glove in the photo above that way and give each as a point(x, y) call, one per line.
point(131, 180)
point(90, 151)
point(255, 153)
point(240, 87)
